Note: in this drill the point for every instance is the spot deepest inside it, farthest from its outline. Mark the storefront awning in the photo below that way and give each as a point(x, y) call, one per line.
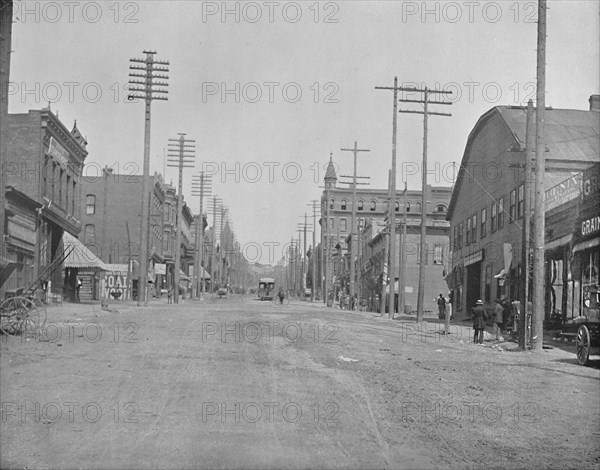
point(80, 256)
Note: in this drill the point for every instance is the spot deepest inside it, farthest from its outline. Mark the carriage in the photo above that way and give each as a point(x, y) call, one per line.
point(587, 340)
point(23, 312)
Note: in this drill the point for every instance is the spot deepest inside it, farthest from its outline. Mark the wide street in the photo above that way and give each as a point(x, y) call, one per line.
point(239, 383)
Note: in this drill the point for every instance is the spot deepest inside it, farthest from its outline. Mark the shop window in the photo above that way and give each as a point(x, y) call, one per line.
point(469, 227)
point(512, 211)
point(483, 223)
point(488, 283)
point(438, 254)
point(90, 204)
point(521, 201)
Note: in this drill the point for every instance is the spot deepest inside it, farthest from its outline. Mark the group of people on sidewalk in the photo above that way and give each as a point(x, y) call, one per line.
point(499, 317)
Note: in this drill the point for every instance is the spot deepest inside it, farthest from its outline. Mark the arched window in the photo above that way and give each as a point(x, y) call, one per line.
point(418, 207)
point(344, 204)
point(331, 203)
point(386, 206)
point(90, 204)
point(407, 206)
point(397, 206)
point(440, 208)
point(360, 205)
point(373, 206)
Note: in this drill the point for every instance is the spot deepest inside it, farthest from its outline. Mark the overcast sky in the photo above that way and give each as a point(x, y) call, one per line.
point(305, 75)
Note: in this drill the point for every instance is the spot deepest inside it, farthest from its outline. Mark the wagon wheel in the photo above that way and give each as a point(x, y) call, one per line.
point(583, 344)
point(20, 315)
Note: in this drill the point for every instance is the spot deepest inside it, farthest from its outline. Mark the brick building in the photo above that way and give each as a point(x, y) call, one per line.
point(487, 205)
point(372, 207)
point(111, 228)
point(44, 164)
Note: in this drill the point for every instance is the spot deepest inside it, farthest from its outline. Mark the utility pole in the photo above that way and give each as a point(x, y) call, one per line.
point(181, 155)
point(539, 225)
point(355, 151)
point(386, 235)
point(222, 248)
point(200, 187)
point(401, 287)
point(525, 241)
point(214, 243)
point(392, 188)
point(423, 243)
point(314, 255)
point(6, 20)
point(148, 89)
point(304, 226)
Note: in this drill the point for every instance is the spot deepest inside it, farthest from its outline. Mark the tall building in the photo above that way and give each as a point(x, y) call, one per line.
point(372, 208)
point(111, 228)
point(43, 168)
point(486, 211)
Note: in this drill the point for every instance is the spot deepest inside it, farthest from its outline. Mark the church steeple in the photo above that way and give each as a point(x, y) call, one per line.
point(330, 176)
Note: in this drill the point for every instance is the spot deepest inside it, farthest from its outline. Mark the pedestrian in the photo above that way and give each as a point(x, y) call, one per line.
point(498, 318)
point(77, 289)
point(346, 300)
point(441, 302)
point(355, 302)
point(170, 295)
point(478, 315)
point(281, 296)
point(506, 313)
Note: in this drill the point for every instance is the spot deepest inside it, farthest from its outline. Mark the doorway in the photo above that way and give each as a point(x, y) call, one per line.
point(473, 285)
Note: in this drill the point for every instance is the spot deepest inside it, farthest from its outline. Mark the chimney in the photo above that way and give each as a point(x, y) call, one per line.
point(594, 103)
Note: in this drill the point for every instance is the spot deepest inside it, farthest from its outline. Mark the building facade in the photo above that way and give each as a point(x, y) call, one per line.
point(111, 229)
point(45, 164)
point(372, 209)
point(486, 212)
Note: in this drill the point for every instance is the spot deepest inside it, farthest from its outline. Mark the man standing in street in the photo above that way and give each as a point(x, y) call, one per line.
point(441, 302)
point(478, 315)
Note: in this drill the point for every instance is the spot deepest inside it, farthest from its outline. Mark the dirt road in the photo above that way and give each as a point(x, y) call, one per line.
point(239, 383)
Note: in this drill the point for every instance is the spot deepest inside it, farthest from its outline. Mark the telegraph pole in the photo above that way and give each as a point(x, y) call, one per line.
point(423, 243)
point(147, 89)
point(386, 255)
point(529, 161)
point(392, 252)
point(401, 287)
point(214, 243)
point(539, 226)
point(200, 187)
point(181, 155)
point(314, 251)
point(355, 151)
